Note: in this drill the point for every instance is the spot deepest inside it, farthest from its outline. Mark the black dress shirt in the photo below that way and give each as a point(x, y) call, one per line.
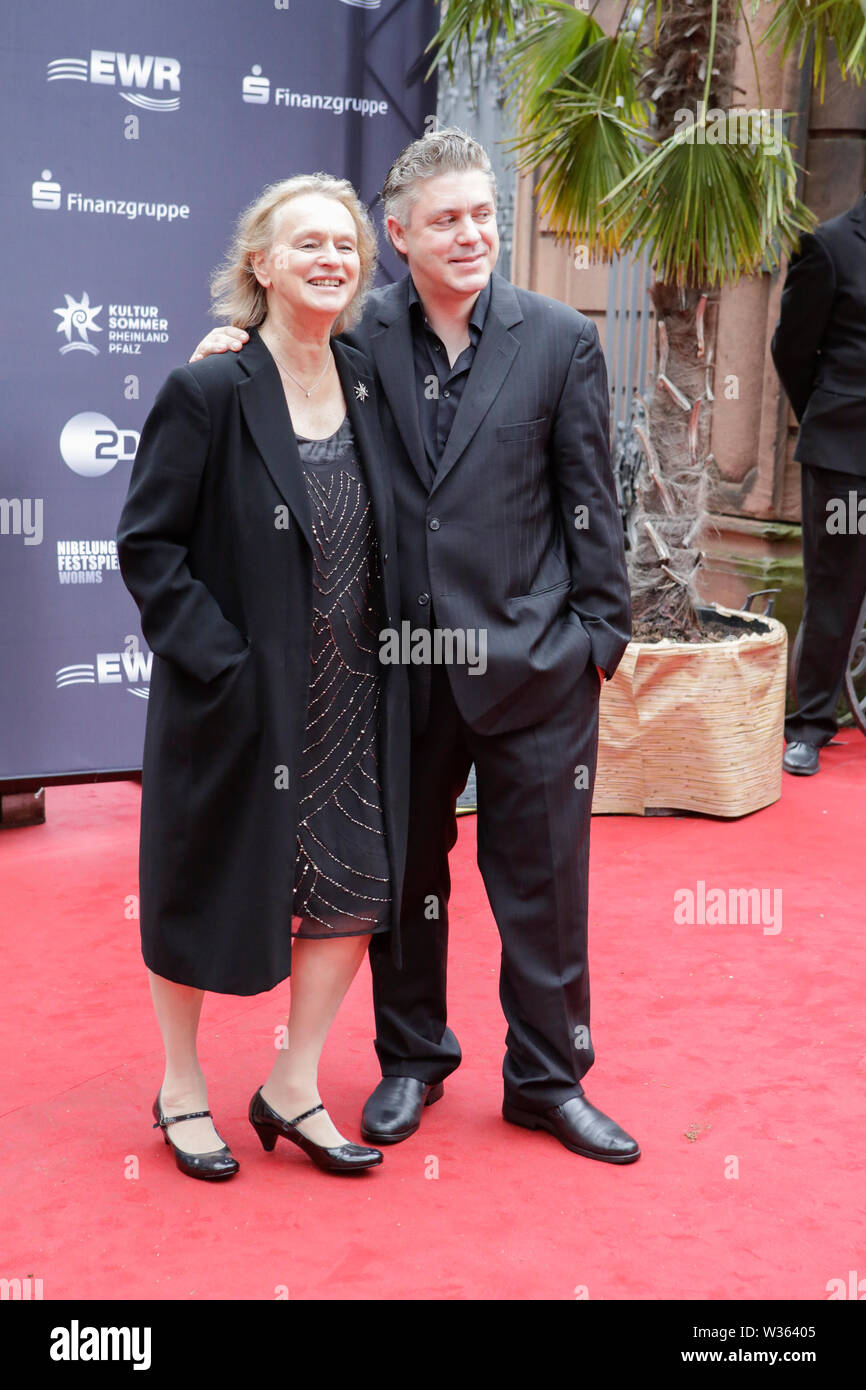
point(440, 386)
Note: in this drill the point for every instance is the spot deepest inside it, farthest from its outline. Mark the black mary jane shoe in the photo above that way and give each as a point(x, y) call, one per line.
point(269, 1126)
point(213, 1166)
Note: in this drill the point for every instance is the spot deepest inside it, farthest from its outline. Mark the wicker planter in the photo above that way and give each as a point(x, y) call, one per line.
point(695, 727)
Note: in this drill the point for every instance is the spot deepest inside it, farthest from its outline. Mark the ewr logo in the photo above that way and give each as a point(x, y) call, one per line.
point(125, 70)
point(128, 667)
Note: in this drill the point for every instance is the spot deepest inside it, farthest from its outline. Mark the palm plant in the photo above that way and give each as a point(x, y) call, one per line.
point(625, 135)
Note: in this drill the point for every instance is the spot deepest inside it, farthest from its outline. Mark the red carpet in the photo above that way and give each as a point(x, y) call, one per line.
point(719, 1047)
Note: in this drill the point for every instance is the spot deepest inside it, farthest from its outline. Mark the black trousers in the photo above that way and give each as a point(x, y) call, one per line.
point(834, 569)
point(534, 801)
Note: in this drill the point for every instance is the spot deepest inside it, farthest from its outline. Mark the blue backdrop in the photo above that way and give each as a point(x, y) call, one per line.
point(133, 134)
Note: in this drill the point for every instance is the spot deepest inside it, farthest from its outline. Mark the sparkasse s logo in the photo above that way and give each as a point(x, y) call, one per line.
point(256, 89)
point(45, 192)
point(129, 71)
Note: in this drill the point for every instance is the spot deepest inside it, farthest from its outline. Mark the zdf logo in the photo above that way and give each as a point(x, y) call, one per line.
point(91, 444)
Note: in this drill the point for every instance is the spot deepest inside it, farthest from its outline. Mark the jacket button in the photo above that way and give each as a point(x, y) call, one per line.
point(385, 558)
point(434, 524)
point(423, 599)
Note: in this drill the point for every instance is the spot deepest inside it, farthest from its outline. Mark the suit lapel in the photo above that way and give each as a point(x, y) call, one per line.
point(392, 351)
point(264, 407)
point(496, 352)
point(858, 217)
point(360, 394)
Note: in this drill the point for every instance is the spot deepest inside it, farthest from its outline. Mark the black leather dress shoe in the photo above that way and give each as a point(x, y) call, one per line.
point(213, 1166)
point(270, 1126)
point(393, 1111)
point(801, 759)
point(580, 1127)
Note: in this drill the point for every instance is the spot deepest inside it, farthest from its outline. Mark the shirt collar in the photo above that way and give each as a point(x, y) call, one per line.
point(479, 308)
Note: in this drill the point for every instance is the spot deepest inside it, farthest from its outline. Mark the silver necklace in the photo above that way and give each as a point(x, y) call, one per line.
point(283, 368)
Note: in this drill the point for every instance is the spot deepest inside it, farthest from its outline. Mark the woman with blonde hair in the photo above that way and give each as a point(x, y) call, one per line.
point(254, 539)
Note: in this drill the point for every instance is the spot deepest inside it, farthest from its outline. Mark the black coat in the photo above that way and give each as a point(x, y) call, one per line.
point(225, 596)
point(819, 346)
point(518, 534)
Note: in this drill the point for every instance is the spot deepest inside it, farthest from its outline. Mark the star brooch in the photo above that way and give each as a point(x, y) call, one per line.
point(360, 391)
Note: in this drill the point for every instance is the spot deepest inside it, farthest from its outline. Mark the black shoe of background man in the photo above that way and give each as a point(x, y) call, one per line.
point(579, 1127)
point(801, 759)
point(393, 1111)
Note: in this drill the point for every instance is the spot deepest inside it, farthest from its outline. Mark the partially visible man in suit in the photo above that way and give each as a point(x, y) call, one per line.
point(819, 348)
point(494, 405)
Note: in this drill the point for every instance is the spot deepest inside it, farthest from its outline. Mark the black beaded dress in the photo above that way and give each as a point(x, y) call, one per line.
point(342, 875)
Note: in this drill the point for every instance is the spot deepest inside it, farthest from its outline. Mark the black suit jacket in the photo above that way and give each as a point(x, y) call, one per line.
point(519, 533)
point(224, 588)
point(819, 346)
